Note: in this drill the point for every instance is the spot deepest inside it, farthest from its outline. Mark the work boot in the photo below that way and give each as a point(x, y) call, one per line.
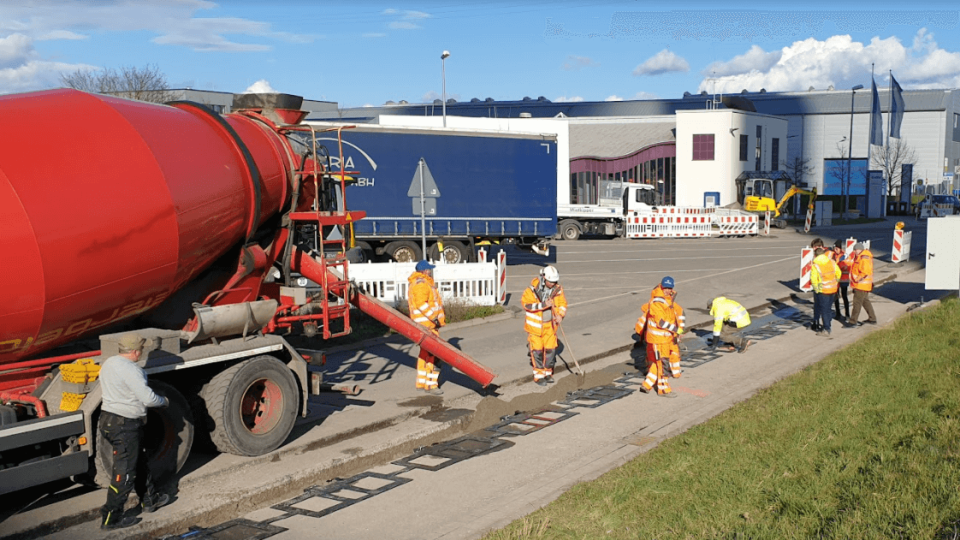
point(433, 391)
point(870, 322)
point(670, 395)
point(745, 345)
point(118, 522)
point(644, 390)
point(152, 504)
point(541, 382)
point(550, 379)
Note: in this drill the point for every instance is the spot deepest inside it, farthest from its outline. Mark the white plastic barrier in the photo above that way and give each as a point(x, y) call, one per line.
point(901, 246)
point(736, 225)
point(928, 210)
point(667, 225)
point(480, 283)
point(806, 266)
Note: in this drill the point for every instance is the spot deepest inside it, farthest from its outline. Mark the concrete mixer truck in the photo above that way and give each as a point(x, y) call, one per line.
point(191, 228)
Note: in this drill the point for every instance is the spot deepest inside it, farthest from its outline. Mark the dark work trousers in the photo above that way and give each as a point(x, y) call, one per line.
point(861, 299)
point(823, 307)
point(729, 333)
point(842, 292)
point(130, 467)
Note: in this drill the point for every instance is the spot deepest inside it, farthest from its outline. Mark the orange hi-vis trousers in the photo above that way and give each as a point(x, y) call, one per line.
point(656, 354)
point(543, 353)
point(674, 358)
point(428, 373)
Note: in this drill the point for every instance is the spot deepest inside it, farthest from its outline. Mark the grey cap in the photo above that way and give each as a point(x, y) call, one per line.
point(131, 342)
point(858, 246)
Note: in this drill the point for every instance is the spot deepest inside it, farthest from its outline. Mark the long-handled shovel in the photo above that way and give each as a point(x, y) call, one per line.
point(567, 343)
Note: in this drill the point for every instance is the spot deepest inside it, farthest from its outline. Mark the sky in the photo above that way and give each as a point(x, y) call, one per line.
point(366, 53)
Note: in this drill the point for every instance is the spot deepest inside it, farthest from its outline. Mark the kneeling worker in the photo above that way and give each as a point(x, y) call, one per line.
point(728, 318)
point(545, 306)
point(126, 397)
point(426, 309)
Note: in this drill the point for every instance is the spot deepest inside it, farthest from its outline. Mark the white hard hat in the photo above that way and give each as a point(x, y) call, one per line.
point(550, 274)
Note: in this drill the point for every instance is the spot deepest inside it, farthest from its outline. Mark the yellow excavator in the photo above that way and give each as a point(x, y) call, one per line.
point(758, 197)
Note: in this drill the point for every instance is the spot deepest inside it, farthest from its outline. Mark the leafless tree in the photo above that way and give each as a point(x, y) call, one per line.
point(798, 169)
point(145, 84)
point(890, 159)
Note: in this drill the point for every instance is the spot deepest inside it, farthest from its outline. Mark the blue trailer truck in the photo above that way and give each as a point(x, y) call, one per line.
point(480, 186)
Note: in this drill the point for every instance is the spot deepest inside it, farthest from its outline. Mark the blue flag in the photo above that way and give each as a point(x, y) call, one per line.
point(896, 107)
point(876, 120)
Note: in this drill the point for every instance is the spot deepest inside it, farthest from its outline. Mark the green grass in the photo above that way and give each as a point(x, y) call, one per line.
point(864, 444)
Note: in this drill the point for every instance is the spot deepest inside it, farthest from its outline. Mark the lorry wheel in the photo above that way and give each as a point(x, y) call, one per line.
point(454, 252)
point(168, 438)
point(404, 251)
point(569, 230)
point(252, 406)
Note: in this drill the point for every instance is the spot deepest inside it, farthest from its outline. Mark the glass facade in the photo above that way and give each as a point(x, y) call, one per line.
point(655, 165)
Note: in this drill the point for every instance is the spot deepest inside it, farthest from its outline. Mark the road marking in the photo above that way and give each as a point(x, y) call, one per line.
point(687, 281)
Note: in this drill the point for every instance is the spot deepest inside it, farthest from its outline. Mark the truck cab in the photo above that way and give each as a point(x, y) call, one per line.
point(606, 217)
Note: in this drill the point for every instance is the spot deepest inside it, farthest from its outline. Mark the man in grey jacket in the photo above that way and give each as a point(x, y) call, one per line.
point(123, 416)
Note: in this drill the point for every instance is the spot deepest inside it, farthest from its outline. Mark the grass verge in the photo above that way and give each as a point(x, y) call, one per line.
point(864, 444)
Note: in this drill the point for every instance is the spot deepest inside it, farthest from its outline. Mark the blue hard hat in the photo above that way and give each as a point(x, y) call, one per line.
point(424, 265)
point(667, 282)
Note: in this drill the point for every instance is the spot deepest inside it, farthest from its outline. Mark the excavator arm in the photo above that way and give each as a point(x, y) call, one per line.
point(794, 190)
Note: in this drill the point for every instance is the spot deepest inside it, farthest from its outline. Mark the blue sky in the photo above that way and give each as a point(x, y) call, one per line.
point(367, 53)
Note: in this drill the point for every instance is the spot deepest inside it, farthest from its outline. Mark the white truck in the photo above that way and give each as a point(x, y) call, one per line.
point(608, 216)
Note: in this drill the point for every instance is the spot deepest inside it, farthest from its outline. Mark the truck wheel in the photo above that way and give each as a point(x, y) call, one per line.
point(404, 251)
point(252, 406)
point(569, 230)
point(167, 437)
point(454, 252)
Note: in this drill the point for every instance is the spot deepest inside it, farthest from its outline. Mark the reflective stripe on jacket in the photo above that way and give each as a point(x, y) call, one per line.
point(843, 262)
point(824, 275)
point(535, 311)
point(424, 301)
point(861, 271)
point(724, 309)
point(661, 321)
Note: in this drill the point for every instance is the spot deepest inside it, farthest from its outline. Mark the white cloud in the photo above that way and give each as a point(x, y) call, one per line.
point(754, 59)
point(260, 87)
point(638, 95)
point(16, 50)
point(576, 63)
point(841, 62)
point(429, 97)
point(174, 22)
point(565, 99)
point(22, 69)
point(664, 61)
point(407, 20)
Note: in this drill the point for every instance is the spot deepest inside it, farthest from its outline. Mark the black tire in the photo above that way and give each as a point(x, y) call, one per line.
point(168, 436)
point(569, 230)
point(454, 252)
point(404, 251)
point(252, 406)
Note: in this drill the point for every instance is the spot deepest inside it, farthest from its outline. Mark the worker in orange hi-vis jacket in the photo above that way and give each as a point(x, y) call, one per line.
point(426, 309)
point(545, 306)
point(659, 325)
point(861, 279)
point(666, 290)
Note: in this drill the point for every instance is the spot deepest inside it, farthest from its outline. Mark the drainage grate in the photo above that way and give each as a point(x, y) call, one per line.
point(451, 452)
point(526, 423)
point(237, 529)
point(592, 398)
point(332, 496)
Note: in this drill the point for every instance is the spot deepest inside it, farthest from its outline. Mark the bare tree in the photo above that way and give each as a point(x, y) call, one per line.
point(798, 169)
point(144, 84)
point(890, 159)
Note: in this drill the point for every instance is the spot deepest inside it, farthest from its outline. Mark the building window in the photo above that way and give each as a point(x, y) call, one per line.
point(774, 154)
point(759, 140)
point(703, 147)
point(743, 148)
point(956, 120)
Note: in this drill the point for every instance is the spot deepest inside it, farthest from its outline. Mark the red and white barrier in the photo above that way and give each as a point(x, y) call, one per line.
point(806, 224)
point(664, 225)
point(806, 266)
point(901, 246)
point(682, 210)
point(739, 225)
point(766, 223)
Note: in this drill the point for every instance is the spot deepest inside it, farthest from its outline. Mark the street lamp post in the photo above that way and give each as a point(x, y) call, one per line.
point(845, 188)
point(443, 76)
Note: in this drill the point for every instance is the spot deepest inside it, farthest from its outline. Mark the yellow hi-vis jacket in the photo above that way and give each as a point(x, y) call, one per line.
point(724, 309)
point(540, 318)
point(423, 299)
point(825, 275)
